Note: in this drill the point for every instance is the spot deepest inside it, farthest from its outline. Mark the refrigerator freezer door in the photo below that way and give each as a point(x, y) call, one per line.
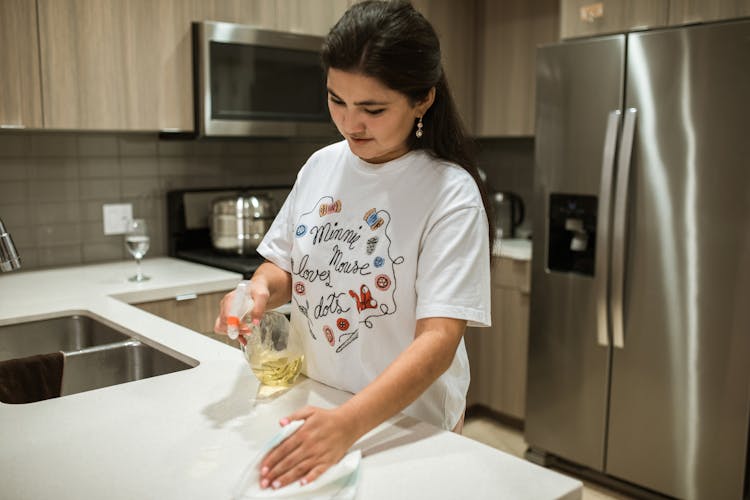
point(679, 397)
point(579, 84)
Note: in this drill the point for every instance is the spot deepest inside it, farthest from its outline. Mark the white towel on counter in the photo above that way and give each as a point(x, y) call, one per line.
point(338, 482)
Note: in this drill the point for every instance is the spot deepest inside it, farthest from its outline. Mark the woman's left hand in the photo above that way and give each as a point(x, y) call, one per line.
point(321, 442)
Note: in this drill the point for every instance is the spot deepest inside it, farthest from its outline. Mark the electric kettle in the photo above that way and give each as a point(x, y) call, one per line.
point(509, 213)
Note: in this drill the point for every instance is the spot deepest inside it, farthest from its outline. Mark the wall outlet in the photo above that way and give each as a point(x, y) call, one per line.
point(116, 217)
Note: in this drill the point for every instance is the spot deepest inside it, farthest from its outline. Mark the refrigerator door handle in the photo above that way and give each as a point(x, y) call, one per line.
point(601, 270)
point(618, 231)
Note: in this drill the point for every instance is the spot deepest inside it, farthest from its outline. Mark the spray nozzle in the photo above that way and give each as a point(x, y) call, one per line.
point(241, 303)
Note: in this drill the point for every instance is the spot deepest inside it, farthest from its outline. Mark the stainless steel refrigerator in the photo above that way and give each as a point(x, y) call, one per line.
point(639, 349)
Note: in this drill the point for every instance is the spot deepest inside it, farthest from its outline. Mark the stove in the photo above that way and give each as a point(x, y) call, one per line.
point(188, 233)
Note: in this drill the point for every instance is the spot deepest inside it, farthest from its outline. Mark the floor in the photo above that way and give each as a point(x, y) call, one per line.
point(488, 431)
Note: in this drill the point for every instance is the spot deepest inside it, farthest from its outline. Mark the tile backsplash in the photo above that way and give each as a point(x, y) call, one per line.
point(53, 185)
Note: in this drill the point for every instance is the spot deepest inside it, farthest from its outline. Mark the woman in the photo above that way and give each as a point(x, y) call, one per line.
point(382, 245)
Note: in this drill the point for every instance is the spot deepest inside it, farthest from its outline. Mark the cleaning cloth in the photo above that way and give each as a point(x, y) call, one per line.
point(338, 482)
point(31, 379)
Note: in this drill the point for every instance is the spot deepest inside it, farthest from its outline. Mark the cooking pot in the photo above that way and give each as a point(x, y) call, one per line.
point(239, 223)
point(509, 213)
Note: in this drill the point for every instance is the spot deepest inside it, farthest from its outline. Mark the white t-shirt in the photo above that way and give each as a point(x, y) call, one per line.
point(373, 248)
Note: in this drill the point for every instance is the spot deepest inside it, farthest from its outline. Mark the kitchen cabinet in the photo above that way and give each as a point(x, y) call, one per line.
point(693, 11)
point(114, 65)
point(99, 61)
point(315, 17)
point(456, 30)
point(580, 18)
point(497, 355)
point(20, 90)
point(508, 32)
point(196, 312)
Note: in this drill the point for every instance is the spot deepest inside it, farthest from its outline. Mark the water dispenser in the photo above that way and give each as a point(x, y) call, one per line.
point(572, 233)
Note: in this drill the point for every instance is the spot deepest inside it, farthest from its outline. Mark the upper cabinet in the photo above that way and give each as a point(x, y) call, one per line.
point(693, 11)
point(586, 17)
point(99, 59)
point(580, 18)
point(20, 91)
point(315, 17)
point(455, 28)
point(508, 33)
point(127, 65)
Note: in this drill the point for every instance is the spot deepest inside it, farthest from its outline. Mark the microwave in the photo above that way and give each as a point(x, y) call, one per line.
point(258, 83)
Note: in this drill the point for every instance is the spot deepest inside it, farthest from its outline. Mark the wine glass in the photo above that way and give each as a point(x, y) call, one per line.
point(137, 242)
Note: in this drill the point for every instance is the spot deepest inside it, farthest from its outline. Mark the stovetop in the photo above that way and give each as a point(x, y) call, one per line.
point(210, 257)
point(189, 236)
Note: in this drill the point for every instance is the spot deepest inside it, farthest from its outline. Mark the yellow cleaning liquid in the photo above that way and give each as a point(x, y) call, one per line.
point(276, 370)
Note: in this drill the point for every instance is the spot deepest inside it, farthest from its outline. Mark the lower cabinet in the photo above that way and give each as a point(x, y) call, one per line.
point(196, 312)
point(497, 355)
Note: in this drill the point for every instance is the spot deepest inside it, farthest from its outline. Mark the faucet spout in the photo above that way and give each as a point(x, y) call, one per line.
point(9, 259)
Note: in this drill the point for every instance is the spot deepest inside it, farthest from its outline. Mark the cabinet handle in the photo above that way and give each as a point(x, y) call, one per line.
point(12, 126)
point(186, 296)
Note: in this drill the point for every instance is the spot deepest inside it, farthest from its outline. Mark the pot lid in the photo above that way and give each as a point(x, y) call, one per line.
point(256, 205)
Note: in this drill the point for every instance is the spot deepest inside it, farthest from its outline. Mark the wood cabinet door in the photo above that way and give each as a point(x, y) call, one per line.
point(591, 17)
point(20, 87)
point(197, 314)
point(127, 65)
point(100, 64)
point(508, 32)
point(314, 17)
point(473, 339)
point(510, 310)
point(498, 355)
point(454, 23)
point(694, 11)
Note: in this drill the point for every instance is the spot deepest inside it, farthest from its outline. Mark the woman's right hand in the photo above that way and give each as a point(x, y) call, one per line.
point(258, 292)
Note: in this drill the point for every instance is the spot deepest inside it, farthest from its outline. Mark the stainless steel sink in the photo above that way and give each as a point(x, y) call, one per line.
point(112, 364)
point(67, 333)
point(95, 354)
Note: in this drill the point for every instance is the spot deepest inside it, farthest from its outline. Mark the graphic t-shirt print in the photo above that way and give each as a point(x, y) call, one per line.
point(345, 278)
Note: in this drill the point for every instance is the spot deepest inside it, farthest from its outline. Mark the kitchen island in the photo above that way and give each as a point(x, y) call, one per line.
point(190, 434)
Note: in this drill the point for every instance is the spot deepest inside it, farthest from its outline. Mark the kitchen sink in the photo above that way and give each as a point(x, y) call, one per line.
point(67, 333)
point(95, 354)
point(112, 364)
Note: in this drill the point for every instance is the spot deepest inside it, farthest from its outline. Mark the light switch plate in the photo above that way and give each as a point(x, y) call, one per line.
point(116, 217)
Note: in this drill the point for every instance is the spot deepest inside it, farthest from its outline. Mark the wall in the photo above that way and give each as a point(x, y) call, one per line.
point(509, 165)
point(53, 185)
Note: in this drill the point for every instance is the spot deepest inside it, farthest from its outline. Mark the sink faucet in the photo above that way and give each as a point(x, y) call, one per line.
point(9, 259)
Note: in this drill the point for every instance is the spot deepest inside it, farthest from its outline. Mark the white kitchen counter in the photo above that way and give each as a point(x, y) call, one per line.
point(190, 434)
point(512, 248)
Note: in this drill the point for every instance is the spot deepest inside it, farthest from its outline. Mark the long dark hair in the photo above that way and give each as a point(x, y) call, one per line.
point(393, 43)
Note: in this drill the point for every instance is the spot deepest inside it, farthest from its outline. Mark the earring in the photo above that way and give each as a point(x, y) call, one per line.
point(419, 132)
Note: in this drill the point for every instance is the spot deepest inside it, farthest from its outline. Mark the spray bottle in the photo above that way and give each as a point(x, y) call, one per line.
point(241, 303)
